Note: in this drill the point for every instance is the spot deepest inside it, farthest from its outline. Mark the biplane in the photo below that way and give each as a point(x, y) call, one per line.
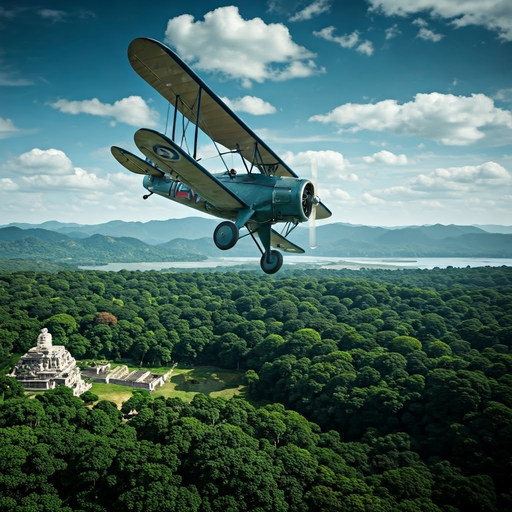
point(263, 192)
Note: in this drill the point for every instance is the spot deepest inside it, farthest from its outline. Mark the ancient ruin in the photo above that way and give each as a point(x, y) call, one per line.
point(142, 379)
point(46, 366)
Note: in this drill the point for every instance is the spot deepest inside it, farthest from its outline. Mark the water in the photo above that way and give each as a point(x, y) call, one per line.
point(313, 262)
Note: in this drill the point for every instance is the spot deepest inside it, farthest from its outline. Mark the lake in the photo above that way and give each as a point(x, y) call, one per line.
point(312, 262)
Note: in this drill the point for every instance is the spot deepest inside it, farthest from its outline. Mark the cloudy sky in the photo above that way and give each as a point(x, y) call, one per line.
point(406, 106)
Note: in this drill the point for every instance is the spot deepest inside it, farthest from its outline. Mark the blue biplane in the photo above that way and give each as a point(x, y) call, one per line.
point(267, 192)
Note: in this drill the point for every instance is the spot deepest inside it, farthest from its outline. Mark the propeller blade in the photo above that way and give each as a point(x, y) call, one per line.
point(312, 217)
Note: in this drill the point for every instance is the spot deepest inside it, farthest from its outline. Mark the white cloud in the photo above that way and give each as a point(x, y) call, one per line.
point(251, 105)
point(425, 33)
point(392, 32)
point(386, 157)
point(310, 11)
point(504, 95)
point(37, 161)
point(341, 195)
point(79, 180)
point(7, 185)
point(429, 35)
point(7, 128)
point(469, 177)
point(328, 162)
point(370, 199)
point(445, 118)
point(398, 192)
point(495, 15)
point(52, 15)
point(346, 41)
point(132, 110)
point(248, 50)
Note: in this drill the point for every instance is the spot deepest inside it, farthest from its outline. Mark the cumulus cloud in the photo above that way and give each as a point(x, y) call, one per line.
point(495, 15)
point(445, 118)
point(312, 10)
point(251, 105)
point(425, 33)
point(52, 162)
point(327, 160)
point(465, 178)
point(132, 110)
point(368, 198)
point(392, 32)
point(471, 183)
point(7, 128)
point(7, 185)
point(78, 180)
point(504, 95)
point(248, 50)
point(346, 41)
point(386, 157)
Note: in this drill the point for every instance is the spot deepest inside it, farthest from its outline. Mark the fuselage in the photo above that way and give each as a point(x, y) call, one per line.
point(273, 198)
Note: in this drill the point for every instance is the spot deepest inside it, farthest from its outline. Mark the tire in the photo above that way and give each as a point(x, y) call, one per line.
point(225, 235)
point(271, 262)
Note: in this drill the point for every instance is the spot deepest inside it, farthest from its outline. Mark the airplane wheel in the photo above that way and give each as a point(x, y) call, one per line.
point(225, 235)
point(271, 262)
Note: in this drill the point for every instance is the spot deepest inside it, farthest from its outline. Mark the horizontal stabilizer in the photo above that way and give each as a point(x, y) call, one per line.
point(280, 242)
point(133, 163)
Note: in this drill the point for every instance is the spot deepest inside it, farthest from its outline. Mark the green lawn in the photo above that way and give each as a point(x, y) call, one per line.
point(112, 392)
point(187, 382)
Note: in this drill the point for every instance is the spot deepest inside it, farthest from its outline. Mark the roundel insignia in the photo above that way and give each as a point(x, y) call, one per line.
point(166, 152)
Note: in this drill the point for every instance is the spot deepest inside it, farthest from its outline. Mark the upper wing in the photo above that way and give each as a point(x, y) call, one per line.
point(171, 158)
point(133, 163)
point(178, 84)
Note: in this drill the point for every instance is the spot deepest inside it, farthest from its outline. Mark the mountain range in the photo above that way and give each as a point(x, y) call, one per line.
point(190, 239)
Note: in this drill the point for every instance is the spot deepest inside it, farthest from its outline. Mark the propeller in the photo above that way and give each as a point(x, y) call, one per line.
point(314, 201)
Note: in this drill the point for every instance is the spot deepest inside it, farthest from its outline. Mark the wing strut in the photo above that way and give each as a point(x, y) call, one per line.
point(197, 120)
point(174, 118)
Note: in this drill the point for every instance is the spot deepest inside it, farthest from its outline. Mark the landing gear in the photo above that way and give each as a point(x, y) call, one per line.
point(271, 261)
point(225, 235)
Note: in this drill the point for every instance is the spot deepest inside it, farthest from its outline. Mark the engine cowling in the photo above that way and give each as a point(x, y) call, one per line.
point(293, 199)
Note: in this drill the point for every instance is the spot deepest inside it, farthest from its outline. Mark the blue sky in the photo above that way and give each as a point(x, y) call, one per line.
point(406, 106)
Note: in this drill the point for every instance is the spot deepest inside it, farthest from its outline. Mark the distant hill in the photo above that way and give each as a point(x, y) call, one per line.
point(190, 238)
point(14, 233)
point(48, 246)
point(494, 228)
point(152, 232)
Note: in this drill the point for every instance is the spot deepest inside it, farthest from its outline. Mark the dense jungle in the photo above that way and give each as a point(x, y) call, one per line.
point(366, 391)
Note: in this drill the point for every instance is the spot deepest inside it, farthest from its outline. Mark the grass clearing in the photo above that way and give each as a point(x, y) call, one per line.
point(183, 383)
point(112, 392)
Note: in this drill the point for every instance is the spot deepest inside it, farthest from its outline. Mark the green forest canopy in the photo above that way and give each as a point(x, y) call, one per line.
point(386, 390)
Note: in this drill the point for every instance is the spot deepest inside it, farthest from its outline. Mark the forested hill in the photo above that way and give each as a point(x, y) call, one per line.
point(373, 391)
point(194, 235)
point(49, 246)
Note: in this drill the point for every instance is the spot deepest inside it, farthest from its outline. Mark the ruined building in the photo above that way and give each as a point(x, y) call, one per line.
point(46, 366)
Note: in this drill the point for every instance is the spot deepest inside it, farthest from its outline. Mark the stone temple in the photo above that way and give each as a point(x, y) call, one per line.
point(46, 366)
